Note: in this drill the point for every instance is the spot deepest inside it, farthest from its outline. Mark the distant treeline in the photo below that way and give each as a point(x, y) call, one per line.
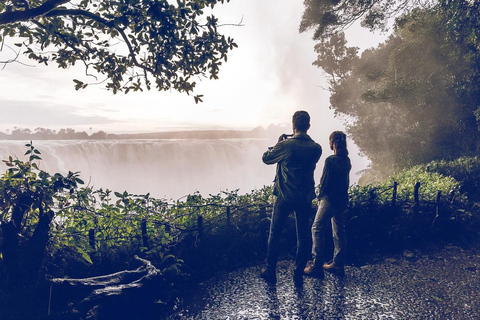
point(71, 134)
point(49, 134)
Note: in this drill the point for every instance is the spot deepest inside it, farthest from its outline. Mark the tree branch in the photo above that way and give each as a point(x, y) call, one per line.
point(82, 13)
point(28, 14)
point(17, 54)
point(110, 24)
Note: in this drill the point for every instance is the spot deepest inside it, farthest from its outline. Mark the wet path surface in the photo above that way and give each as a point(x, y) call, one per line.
point(443, 284)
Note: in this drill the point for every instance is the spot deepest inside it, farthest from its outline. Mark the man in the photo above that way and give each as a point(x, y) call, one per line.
point(294, 188)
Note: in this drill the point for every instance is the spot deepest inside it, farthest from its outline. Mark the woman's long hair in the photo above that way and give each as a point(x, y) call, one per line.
point(339, 140)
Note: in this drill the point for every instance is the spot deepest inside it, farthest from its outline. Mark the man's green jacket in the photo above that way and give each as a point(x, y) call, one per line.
point(296, 159)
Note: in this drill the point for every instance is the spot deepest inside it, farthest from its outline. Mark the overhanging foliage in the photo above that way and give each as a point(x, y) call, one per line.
point(128, 44)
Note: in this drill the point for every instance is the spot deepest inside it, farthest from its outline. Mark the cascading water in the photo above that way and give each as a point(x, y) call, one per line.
point(164, 168)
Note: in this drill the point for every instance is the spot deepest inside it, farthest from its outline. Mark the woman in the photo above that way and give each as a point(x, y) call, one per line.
point(333, 197)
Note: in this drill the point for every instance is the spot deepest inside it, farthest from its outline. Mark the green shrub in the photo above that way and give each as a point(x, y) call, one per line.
point(465, 170)
point(430, 183)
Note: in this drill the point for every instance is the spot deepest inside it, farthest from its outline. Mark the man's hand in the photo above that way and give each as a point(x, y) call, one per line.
point(284, 137)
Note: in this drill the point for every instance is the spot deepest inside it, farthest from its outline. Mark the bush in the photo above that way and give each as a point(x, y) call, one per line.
point(465, 170)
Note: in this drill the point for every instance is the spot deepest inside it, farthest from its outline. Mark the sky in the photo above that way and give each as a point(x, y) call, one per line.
point(266, 79)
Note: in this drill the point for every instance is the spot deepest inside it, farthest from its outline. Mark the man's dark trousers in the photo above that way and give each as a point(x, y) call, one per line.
point(281, 210)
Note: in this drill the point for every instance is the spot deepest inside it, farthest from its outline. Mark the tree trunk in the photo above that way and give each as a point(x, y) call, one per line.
point(36, 246)
point(23, 260)
point(10, 248)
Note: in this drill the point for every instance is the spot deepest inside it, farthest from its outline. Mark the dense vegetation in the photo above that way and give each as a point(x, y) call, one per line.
point(414, 98)
point(411, 106)
point(86, 232)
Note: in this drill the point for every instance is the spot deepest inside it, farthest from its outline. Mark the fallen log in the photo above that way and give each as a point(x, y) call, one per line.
point(109, 295)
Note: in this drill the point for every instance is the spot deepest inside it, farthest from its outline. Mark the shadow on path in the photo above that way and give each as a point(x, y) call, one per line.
point(443, 284)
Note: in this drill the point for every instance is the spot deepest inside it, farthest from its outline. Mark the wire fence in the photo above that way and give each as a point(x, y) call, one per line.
point(183, 219)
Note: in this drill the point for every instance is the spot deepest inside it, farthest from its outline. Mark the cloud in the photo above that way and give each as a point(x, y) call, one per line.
point(25, 113)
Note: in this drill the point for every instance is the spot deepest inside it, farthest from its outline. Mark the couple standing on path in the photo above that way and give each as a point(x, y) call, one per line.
point(296, 157)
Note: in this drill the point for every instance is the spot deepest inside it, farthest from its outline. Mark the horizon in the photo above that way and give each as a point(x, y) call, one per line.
point(166, 130)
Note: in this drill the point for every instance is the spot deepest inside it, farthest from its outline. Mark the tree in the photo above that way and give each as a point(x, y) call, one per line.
point(414, 98)
point(68, 133)
point(130, 44)
point(99, 135)
point(335, 58)
point(330, 17)
point(43, 133)
point(21, 133)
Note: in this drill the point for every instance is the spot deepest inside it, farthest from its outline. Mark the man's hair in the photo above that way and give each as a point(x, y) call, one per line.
point(301, 120)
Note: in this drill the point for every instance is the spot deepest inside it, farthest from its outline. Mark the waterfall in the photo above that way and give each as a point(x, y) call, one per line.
point(167, 168)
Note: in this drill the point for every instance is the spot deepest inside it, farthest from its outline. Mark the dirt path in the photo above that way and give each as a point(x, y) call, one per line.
point(442, 284)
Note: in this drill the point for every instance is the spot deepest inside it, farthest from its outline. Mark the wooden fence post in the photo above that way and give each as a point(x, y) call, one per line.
point(200, 225)
point(263, 229)
point(263, 212)
point(144, 233)
point(415, 193)
point(437, 206)
point(228, 217)
point(91, 238)
point(452, 196)
point(372, 204)
point(394, 194)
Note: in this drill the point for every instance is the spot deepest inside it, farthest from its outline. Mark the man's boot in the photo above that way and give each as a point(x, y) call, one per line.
point(314, 270)
point(298, 275)
point(334, 268)
point(269, 274)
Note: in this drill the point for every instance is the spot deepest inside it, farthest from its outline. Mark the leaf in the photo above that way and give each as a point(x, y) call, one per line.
point(168, 261)
point(79, 84)
point(84, 255)
point(198, 98)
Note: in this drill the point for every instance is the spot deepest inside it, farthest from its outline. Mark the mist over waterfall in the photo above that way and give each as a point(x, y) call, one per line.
point(168, 168)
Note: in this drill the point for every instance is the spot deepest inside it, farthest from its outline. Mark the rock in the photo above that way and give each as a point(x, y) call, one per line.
point(408, 254)
point(390, 260)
